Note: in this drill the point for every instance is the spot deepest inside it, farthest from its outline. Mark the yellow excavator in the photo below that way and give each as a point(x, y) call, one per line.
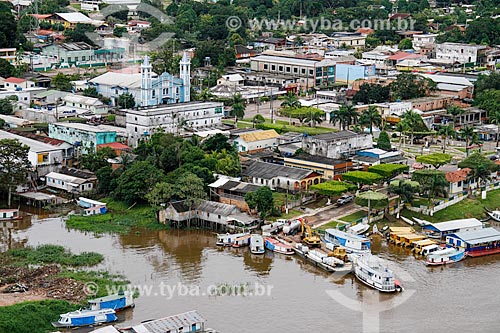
point(309, 237)
point(339, 253)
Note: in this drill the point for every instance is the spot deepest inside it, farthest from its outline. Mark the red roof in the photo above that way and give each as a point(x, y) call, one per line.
point(404, 55)
point(43, 32)
point(114, 145)
point(14, 80)
point(365, 31)
point(41, 16)
point(457, 176)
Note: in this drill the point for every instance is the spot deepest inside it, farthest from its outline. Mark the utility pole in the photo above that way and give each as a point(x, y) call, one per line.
point(271, 106)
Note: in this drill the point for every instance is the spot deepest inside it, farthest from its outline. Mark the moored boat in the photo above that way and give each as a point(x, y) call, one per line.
point(278, 246)
point(116, 302)
point(445, 256)
point(370, 270)
point(476, 243)
point(495, 215)
point(352, 243)
point(10, 214)
point(85, 318)
point(229, 239)
point(359, 228)
point(257, 244)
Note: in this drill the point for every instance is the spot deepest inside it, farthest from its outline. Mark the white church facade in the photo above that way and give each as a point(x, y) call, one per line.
point(147, 87)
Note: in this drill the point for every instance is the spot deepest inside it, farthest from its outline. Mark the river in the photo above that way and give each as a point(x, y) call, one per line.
point(288, 294)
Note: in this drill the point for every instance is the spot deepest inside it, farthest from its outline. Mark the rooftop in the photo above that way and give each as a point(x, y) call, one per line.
point(285, 60)
point(66, 178)
point(114, 145)
point(172, 323)
point(479, 236)
point(270, 170)
point(14, 80)
point(259, 135)
point(168, 108)
point(316, 159)
point(457, 176)
point(75, 17)
point(82, 127)
point(335, 136)
point(456, 224)
point(35, 146)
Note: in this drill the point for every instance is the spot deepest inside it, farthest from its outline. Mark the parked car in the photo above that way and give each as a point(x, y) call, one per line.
point(345, 199)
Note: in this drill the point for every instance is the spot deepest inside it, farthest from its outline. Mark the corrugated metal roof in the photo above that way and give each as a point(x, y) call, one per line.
point(66, 178)
point(457, 224)
point(35, 146)
point(75, 17)
point(163, 325)
point(479, 236)
point(259, 135)
point(266, 170)
point(131, 81)
point(333, 136)
point(448, 79)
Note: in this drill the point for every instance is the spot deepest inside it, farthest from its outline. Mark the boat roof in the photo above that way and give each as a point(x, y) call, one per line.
point(401, 229)
point(358, 227)
point(455, 224)
point(414, 236)
point(343, 234)
point(485, 235)
point(87, 313)
point(424, 242)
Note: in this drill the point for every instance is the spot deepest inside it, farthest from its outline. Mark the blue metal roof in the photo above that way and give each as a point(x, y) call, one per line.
point(485, 235)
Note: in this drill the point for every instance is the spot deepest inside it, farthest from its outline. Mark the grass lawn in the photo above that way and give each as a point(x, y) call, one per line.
point(331, 225)
point(118, 219)
point(470, 207)
point(354, 216)
point(280, 198)
point(291, 214)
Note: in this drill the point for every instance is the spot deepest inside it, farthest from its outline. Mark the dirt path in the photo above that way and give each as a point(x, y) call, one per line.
point(14, 298)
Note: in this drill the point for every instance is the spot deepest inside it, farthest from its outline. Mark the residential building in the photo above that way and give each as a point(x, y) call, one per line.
point(17, 84)
point(269, 43)
point(232, 191)
point(328, 168)
point(336, 145)
point(214, 214)
point(68, 20)
point(14, 122)
point(84, 137)
point(431, 103)
point(81, 53)
point(137, 25)
point(460, 181)
point(243, 52)
point(231, 80)
point(172, 118)
point(277, 176)
point(458, 87)
point(461, 53)
point(347, 40)
point(43, 157)
point(256, 141)
point(69, 183)
point(67, 148)
point(118, 147)
point(420, 40)
point(8, 54)
point(147, 87)
point(90, 104)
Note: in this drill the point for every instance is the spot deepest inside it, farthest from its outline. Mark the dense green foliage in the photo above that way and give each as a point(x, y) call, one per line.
point(371, 93)
point(388, 170)
point(262, 200)
point(383, 141)
point(432, 182)
point(435, 159)
point(375, 200)
point(361, 177)
point(54, 254)
point(408, 86)
point(333, 188)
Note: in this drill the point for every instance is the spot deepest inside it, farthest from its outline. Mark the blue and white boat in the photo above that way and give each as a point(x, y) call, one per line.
point(257, 244)
point(116, 302)
point(85, 318)
point(446, 256)
point(352, 243)
point(370, 270)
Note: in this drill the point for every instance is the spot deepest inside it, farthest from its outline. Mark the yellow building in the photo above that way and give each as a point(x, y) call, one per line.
point(328, 168)
point(8, 54)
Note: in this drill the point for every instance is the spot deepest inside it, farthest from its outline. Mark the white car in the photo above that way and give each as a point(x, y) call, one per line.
point(345, 199)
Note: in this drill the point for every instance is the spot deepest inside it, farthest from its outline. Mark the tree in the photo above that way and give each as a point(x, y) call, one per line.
point(372, 200)
point(432, 182)
point(405, 44)
point(435, 159)
point(408, 86)
point(388, 170)
point(14, 165)
point(98, 160)
point(486, 82)
point(62, 82)
point(79, 33)
point(205, 95)
point(488, 100)
point(467, 132)
point(412, 121)
point(370, 117)
point(218, 142)
point(455, 111)
point(361, 177)
point(160, 193)
point(126, 101)
point(475, 160)
point(346, 115)
point(190, 188)
point(90, 92)
point(6, 69)
point(383, 141)
point(446, 132)
point(371, 93)
point(119, 31)
point(105, 180)
point(315, 116)
point(257, 120)
point(227, 163)
point(290, 100)
point(262, 200)
point(134, 183)
point(332, 188)
point(238, 106)
point(405, 189)
point(6, 106)
point(8, 28)
point(494, 118)
point(401, 127)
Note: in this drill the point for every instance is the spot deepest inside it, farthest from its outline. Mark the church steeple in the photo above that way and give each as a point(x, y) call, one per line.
point(185, 75)
point(146, 81)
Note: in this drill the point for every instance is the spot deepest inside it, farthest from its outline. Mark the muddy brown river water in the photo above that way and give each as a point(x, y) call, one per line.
point(179, 271)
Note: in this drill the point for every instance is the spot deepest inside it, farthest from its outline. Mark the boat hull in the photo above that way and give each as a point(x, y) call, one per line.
point(480, 253)
point(373, 285)
point(494, 216)
point(446, 259)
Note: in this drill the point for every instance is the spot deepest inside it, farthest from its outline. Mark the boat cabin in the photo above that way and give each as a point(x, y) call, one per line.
point(476, 243)
point(352, 243)
point(419, 246)
point(9, 214)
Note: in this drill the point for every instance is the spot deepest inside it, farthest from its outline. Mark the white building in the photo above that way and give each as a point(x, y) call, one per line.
point(43, 157)
point(394, 109)
point(142, 123)
point(336, 145)
point(461, 53)
point(256, 140)
point(68, 183)
point(90, 104)
point(420, 40)
point(15, 83)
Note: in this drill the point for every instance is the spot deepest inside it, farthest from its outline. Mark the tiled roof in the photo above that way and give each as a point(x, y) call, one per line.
point(259, 135)
point(457, 176)
point(114, 145)
point(14, 80)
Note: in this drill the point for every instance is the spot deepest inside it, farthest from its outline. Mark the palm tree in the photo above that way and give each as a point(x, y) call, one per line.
point(371, 117)
point(290, 100)
point(346, 115)
point(237, 99)
point(205, 95)
point(445, 132)
point(467, 132)
point(315, 117)
point(412, 120)
point(495, 119)
point(404, 190)
point(455, 111)
point(481, 174)
point(258, 119)
point(401, 127)
point(436, 185)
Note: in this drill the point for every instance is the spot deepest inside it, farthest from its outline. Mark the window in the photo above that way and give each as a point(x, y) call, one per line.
point(303, 70)
point(288, 69)
point(83, 58)
point(280, 68)
point(273, 67)
point(266, 67)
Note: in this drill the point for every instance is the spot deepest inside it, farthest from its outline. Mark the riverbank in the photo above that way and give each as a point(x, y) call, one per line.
point(120, 219)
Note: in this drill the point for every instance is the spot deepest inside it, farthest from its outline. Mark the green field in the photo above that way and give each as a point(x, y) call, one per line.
point(331, 225)
point(354, 216)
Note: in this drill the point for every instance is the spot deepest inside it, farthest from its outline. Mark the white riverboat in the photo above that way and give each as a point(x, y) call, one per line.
point(257, 244)
point(370, 270)
point(352, 243)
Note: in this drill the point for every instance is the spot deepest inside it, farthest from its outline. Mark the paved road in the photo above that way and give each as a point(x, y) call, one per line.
point(331, 213)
